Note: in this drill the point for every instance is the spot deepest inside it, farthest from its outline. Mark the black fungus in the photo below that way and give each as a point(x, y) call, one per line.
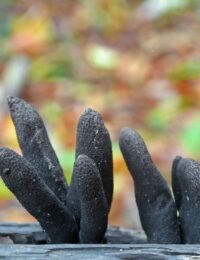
point(37, 198)
point(36, 147)
point(186, 186)
point(79, 213)
point(157, 209)
point(93, 140)
point(93, 203)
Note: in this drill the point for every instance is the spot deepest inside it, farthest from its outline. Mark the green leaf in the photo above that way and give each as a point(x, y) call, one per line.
point(66, 159)
point(160, 117)
point(5, 193)
point(102, 57)
point(187, 70)
point(52, 111)
point(115, 149)
point(50, 70)
point(190, 136)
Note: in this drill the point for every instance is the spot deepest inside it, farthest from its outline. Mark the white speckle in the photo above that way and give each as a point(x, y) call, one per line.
point(97, 131)
point(34, 180)
point(186, 257)
point(187, 198)
point(121, 250)
point(6, 171)
point(50, 164)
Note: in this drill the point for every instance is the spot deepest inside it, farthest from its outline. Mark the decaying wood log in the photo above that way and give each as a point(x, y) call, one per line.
point(99, 252)
point(121, 244)
point(31, 233)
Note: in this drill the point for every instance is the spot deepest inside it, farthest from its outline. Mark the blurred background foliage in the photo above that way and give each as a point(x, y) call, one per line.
point(136, 62)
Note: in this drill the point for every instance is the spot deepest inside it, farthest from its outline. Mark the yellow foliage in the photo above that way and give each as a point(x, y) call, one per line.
point(31, 33)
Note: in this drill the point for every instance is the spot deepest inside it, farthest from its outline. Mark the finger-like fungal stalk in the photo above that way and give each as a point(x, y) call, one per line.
point(93, 203)
point(186, 186)
point(157, 209)
point(36, 147)
point(94, 141)
point(37, 198)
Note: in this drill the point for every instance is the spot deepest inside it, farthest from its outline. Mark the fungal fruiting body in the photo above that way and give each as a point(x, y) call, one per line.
point(157, 209)
point(78, 213)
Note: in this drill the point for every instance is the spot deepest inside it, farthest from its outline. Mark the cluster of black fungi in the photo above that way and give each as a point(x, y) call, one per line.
point(79, 213)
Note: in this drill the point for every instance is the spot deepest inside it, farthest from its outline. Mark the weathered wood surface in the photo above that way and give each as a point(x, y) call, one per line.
point(100, 252)
point(31, 233)
point(127, 246)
